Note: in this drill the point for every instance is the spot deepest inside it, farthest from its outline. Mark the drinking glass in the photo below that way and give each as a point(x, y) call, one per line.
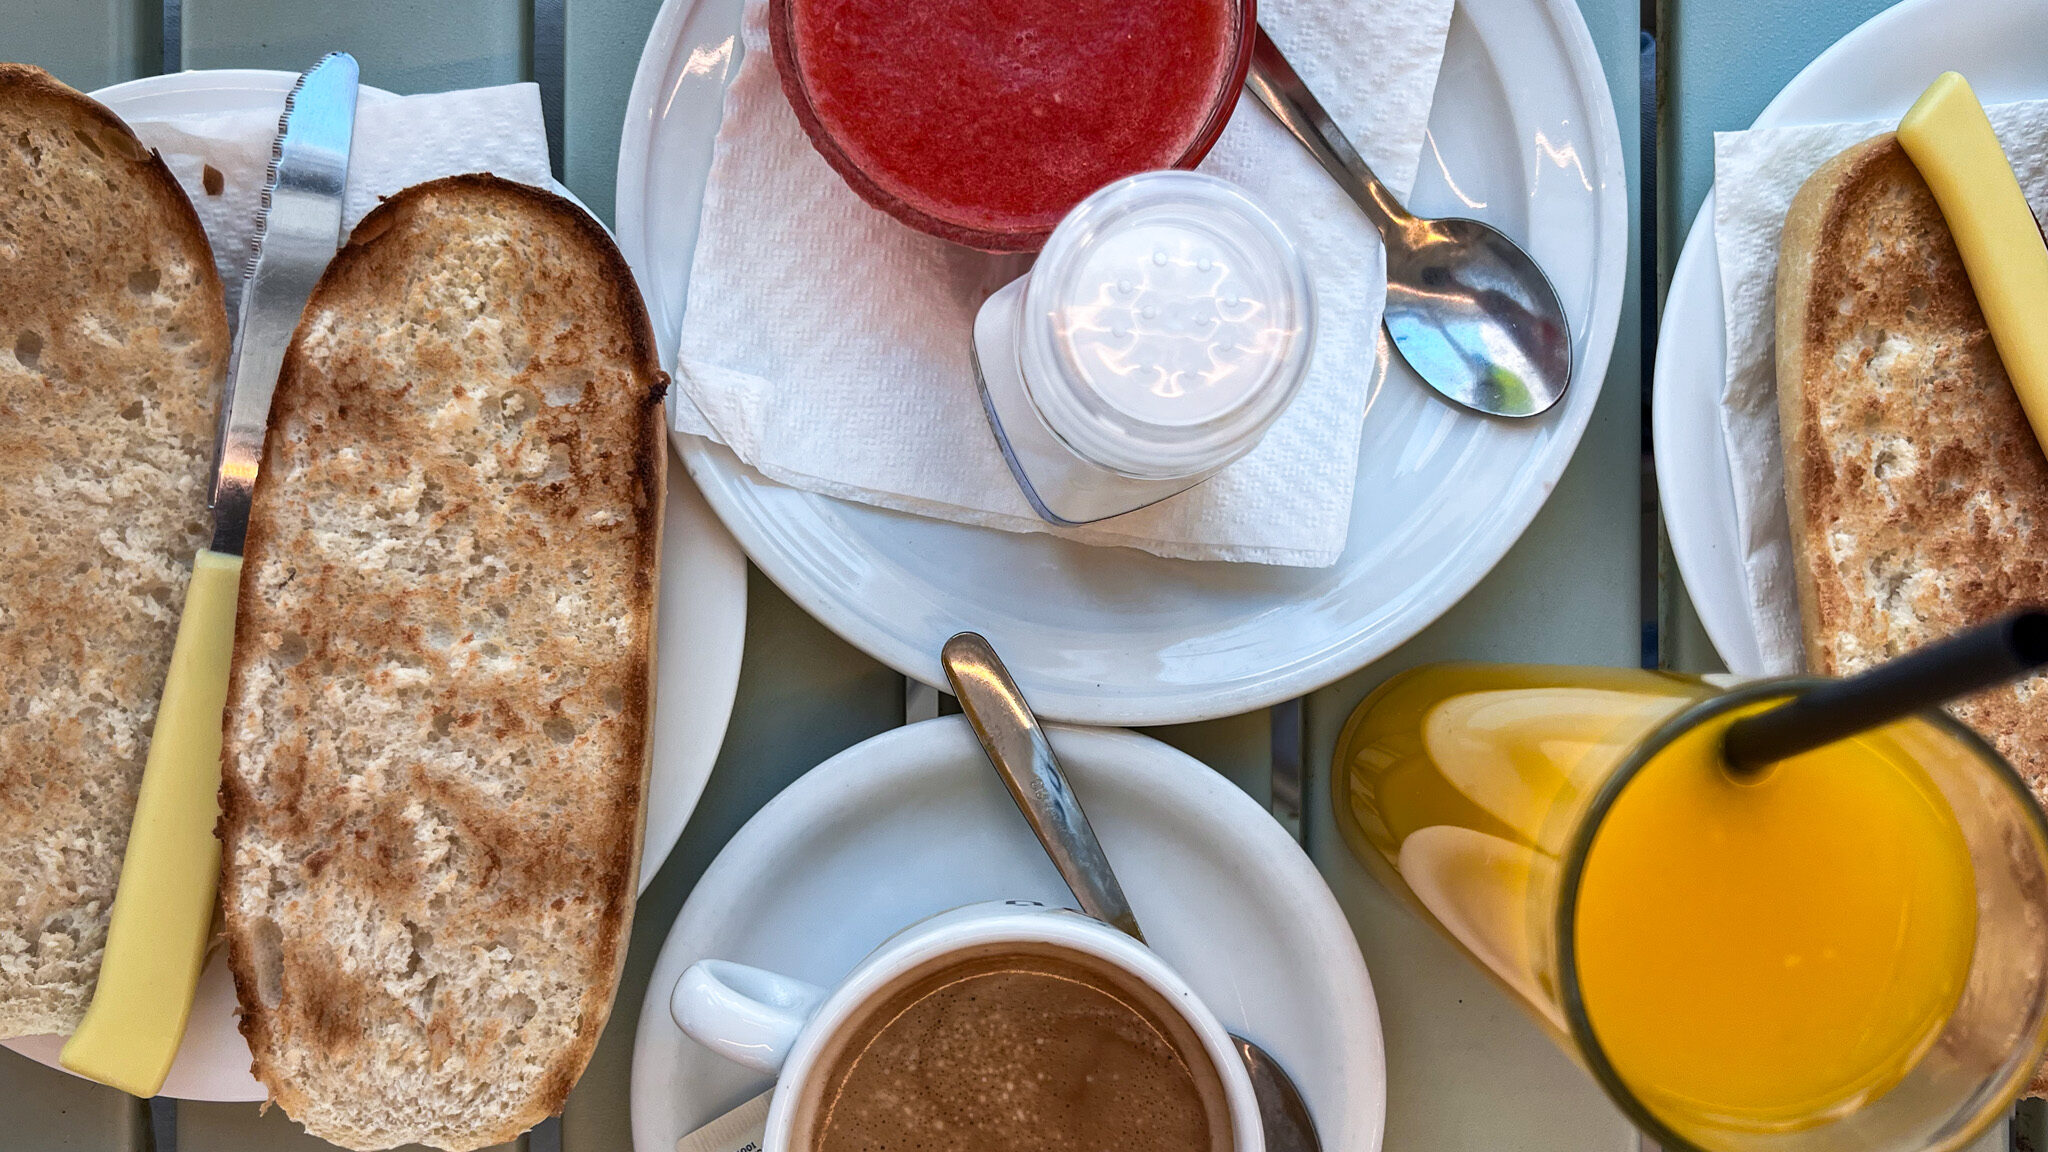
point(1482, 793)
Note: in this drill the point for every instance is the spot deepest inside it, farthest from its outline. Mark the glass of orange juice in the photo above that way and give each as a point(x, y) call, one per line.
point(1847, 951)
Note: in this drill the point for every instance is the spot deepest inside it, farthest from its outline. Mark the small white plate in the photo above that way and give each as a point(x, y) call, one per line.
point(915, 821)
point(701, 623)
point(1116, 636)
point(1874, 72)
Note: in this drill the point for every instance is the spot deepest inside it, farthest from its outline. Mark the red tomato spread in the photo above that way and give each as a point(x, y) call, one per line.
point(997, 116)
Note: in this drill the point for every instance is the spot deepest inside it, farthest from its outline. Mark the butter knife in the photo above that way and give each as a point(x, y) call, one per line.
point(163, 907)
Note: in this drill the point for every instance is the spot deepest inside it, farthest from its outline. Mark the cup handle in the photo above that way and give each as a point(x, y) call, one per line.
point(747, 1015)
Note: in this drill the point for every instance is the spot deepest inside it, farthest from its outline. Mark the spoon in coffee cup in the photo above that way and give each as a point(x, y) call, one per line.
point(1016, 744)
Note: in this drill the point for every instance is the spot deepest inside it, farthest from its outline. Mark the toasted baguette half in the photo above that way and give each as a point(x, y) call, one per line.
point(113, 344)
point(1917, 491)
point(436, 751)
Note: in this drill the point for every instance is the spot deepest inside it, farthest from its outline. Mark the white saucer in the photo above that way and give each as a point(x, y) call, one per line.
point(1522, 134)
point(914, 822)
point(701, 622)
point(1876, 71)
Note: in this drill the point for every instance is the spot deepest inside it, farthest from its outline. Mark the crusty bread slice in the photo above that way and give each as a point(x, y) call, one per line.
point(438, 727)
point(113, 343)
point(1917, 491)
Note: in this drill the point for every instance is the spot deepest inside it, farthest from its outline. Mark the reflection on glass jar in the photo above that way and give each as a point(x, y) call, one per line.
point(1167, 324)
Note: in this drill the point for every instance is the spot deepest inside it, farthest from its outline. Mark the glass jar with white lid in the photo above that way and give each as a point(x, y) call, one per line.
point(1167, 323)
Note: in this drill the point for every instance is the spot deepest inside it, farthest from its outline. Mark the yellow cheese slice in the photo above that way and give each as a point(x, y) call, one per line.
point(1950, 140)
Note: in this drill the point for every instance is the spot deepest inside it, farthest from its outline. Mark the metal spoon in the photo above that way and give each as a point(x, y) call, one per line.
point(1017, 746)
point(1470, 312)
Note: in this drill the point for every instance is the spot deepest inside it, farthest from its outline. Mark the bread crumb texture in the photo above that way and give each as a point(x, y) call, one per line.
point(1926, 492)
point(113, 342)
point(438, 717)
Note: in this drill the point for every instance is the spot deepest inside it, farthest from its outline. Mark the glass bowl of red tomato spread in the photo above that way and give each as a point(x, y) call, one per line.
point(984, 121)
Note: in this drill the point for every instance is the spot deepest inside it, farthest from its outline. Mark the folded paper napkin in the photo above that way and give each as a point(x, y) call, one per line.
point(741, 1130)
point(399, 141)
point(1756, 174)
point(828, 345)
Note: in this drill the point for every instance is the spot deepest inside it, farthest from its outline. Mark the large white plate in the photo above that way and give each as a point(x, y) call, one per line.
point(1876, 71)
point(1115, 636)
point(701, 626)
point(914, 822)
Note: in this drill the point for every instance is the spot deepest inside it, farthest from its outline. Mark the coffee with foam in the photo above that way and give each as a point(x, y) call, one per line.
point(1016, 1049)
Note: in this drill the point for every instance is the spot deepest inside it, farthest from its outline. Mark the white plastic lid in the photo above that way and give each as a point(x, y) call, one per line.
point(1167, 323)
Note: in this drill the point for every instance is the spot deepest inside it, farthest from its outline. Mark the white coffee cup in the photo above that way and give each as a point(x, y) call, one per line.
point(780, 1026)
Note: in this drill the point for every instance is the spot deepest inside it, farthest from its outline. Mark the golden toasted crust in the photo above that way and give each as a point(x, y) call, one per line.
point(1917, 492)
point(113, 342)
point(439, 715)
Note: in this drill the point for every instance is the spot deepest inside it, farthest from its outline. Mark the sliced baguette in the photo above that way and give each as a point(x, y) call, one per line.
point(113, 344)
point(437, 743)
point(1917, 491)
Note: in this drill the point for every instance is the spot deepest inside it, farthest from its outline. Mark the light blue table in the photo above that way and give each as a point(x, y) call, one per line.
point(1467, 1072)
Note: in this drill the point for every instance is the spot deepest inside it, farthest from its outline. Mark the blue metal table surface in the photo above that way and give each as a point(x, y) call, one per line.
point(1723, 60)
point(1466, 1070)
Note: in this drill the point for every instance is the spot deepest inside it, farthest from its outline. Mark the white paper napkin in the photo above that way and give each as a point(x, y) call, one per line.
point(1756, 174)
point(828, 345)
point(741, 1130)
point(398, 142)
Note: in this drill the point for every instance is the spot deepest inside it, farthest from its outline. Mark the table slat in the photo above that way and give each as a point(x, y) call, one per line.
point(247, 1128)
point(404, 45)
point(1240, 747)
point(44, 1110)
point(85, 45)
point(1467, 1070)
point(602, 41)
point(1723, 61)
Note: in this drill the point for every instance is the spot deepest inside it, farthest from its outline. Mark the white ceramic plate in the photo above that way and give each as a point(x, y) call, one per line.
point(1115, 636)
point(701, 625)
point(1876, 71)
point(915, 821)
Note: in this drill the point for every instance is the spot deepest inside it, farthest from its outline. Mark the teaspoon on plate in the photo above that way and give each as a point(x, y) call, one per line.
point(1467, 308)
point(1017, 746)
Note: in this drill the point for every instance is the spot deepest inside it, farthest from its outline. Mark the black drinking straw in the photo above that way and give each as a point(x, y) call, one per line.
point(1967, 662)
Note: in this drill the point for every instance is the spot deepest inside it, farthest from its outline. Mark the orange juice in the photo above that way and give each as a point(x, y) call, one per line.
point(1761, 955)
point(1776, 952)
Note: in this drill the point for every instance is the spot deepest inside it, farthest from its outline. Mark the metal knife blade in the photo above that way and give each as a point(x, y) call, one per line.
point(298, 229)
